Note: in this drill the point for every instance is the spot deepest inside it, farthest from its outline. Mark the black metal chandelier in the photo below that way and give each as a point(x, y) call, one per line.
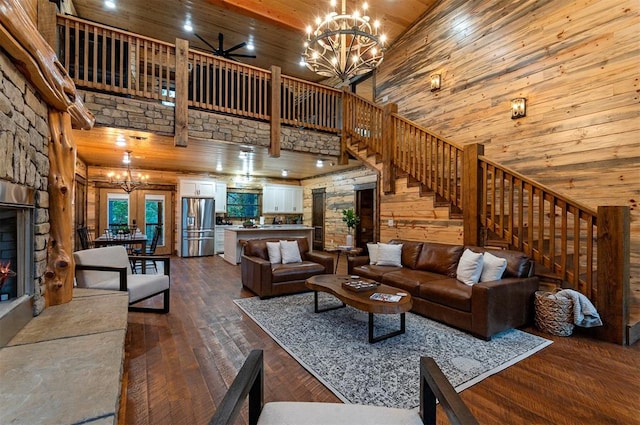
point(344, 45)
point(125, 180)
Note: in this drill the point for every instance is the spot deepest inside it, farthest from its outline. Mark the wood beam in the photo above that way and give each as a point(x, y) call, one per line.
point(260, 10)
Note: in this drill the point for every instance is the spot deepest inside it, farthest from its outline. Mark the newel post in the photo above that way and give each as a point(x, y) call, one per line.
point(274, 117)
point(612, 295)
point(472, 193)
point(388, 147)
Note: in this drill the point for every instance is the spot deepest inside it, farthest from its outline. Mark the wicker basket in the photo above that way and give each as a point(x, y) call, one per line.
point(554, 314)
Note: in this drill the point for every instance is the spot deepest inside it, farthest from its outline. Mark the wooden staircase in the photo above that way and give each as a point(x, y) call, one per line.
point(573, 245)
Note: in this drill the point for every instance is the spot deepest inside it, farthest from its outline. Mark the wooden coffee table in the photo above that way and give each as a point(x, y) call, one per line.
point(332, 284)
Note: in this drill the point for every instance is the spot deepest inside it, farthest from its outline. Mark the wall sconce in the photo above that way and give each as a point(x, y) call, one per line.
point(435, 82)
point(518, 108)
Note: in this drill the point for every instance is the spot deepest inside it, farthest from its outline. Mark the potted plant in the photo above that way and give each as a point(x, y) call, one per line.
point(351, 220)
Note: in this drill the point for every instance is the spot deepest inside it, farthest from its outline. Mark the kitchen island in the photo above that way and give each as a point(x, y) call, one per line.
point(233, 236)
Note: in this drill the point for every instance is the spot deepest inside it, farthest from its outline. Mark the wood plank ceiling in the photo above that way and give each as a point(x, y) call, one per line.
point(276, 29)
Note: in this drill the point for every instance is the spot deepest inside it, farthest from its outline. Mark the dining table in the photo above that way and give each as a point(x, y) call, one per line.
point(124, 239)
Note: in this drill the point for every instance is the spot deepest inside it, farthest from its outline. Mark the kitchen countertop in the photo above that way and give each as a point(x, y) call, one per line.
point(267, 227)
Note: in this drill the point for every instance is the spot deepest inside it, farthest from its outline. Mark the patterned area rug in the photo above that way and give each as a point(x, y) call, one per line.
point(334, 347)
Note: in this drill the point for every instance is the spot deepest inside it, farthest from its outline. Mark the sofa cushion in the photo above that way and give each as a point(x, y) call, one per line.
point(410, 251)
point(408, 280)
point(469, 267)
point(449, 292)
point(518, 264)
point(492, 267)
point(372, 248)
point(295, 271)
point(258, 247)
point(290, 252)
point(374, 272)
point(389, 255)
point(273, 248)
point(439, 258)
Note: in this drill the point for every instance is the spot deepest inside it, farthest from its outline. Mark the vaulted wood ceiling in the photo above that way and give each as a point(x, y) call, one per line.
point(275, 27)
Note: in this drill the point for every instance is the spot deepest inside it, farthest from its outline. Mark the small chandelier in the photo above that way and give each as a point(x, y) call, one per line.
point(344, 45)
point(125, 181)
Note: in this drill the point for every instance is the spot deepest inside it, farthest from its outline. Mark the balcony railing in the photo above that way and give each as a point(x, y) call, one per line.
point(558, 233)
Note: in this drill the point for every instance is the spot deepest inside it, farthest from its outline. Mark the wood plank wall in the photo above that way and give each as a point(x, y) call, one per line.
point(577, 65)
point(340, 195)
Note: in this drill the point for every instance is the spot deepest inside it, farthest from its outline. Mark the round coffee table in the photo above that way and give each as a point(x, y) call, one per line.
point(333, 284)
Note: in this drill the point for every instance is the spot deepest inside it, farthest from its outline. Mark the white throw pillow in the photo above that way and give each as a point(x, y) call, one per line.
point(492, 267)
point(373, 253)
point(273, 248)
point(469, 267)
point(290, 252)
point(389, 255)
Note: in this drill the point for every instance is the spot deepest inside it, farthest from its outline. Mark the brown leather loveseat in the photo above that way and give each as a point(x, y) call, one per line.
point(267, 280)
point(428, 273)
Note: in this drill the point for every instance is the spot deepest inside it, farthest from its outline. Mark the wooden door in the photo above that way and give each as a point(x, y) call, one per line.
point(144, 208)
point(366, 209)
point(317, 217)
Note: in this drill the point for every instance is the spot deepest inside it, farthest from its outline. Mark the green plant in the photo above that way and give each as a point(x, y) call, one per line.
point(350, 218)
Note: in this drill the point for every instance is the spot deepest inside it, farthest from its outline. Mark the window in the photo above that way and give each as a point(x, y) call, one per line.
point(118, 211)
point(244, 205)
point(154, 215)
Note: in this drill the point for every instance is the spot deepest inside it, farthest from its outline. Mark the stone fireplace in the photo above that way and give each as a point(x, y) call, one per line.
point(24, 200)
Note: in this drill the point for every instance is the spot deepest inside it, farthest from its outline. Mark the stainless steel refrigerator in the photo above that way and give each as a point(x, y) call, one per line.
point(198, 227)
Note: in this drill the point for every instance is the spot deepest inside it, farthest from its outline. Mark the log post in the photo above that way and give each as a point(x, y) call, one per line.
point(612, 292)
point(62, 159)
point(471, 193)
point(181, 110)
point(276, 84)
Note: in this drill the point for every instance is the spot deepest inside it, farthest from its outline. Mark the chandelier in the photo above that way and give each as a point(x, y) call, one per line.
point(344, 45)
point(125, 180)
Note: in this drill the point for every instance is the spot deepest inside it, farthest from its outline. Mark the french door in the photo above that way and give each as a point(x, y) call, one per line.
point(144, 209)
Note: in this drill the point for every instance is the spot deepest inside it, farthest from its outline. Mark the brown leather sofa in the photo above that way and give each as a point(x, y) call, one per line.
point(428, 273)
point(268, 280)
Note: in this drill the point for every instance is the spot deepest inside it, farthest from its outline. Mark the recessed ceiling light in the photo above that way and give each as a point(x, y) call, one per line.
point(110, 4)
point(250, 46)
point(285, 173)
point(188, 27)
point(319, 163)
point(120, 141)
point(219, 167)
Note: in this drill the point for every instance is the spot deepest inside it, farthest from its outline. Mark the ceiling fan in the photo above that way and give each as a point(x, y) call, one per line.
point(226, 53)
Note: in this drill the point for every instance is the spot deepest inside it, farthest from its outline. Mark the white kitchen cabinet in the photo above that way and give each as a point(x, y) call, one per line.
point(221, 197)
point(203, 188)
point(282, 199)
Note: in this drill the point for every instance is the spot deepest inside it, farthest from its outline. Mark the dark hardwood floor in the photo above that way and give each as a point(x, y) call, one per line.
point(178, 366)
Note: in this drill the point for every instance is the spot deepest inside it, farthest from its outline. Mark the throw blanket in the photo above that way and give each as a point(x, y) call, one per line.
point(584, 313)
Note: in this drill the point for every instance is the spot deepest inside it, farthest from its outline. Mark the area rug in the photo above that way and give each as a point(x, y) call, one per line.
point(334, 347)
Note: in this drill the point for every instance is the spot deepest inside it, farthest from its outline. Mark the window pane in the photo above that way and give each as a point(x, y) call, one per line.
point(118, 213)
point(243, 205)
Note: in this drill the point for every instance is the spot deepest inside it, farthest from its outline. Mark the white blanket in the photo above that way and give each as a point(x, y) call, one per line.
point(584, 312)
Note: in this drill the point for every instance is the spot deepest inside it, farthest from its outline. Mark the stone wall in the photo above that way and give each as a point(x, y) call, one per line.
point(24, 160)
point(122, 112)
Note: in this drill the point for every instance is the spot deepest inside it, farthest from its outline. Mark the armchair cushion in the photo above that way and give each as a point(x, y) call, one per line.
point(109, 268)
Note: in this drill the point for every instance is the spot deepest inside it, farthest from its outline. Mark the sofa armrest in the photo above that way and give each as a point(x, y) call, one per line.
point(356, 261)
point(256, 275)
point(502, 304)
point(326, 260)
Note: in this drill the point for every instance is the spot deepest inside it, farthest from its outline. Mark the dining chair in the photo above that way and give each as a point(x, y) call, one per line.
point(150, 250)
point(109, 268)
point(86, 242)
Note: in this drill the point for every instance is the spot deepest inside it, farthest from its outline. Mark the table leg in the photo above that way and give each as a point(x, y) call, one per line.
point(315, 304)
point(379, 338)
point(144, 252)
point(335, 270)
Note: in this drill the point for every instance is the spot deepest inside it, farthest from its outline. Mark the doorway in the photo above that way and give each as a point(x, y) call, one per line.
point(318, 199)
point(366, 209)
point(80, 207)
point(144, 209)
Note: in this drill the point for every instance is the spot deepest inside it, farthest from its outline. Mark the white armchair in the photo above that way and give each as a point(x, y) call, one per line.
point(109, 268)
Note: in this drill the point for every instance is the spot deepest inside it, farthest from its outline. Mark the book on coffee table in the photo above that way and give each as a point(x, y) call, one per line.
point(385, 297)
